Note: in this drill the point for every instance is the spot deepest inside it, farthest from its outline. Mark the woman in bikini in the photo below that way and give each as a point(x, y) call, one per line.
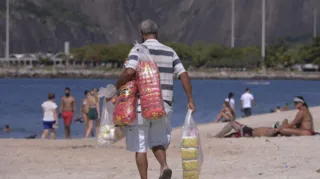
point(302, 125)
point(226, 114)
point(93, 113)
point(85, 110)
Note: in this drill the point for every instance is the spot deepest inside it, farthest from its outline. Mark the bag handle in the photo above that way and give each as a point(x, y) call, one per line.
point(188, 117)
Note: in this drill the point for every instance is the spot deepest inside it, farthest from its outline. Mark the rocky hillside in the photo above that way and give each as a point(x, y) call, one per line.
point(43, 25)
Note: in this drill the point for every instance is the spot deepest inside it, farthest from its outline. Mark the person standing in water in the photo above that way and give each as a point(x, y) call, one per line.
point(68, 107)
point(50, 117)
point(246, 101)
point(93, 113)
point(231, 101)
point(85, 110)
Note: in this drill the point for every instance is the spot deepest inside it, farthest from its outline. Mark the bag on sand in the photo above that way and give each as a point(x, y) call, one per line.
point(191, 151)
point(125, 111)
point(148, 78)
point(108, 133)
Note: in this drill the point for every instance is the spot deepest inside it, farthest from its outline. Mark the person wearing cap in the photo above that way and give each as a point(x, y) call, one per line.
point(302, 124)
point(155, 134)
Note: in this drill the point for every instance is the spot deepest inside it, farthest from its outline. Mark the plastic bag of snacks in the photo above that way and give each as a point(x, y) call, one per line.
point(125, 111)
point(148, 79)
point(108, 133)
point(191, 152)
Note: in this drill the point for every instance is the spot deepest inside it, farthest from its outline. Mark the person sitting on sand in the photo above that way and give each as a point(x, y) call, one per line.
point(226, 114)
point(302, 125)
point(242, 130)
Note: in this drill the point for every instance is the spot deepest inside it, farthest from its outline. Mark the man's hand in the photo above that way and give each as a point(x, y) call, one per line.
point(192, 106)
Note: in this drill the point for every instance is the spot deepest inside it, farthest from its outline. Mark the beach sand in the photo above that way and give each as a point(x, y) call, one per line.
point(244, 158)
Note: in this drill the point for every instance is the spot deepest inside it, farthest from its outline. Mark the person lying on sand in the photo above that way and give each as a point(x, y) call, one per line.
point(302, 125)
point(226, 114)
point(242, 130)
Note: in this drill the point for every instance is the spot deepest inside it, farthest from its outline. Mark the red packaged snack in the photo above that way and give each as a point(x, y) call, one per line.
point(125, 111)
point(148, 79)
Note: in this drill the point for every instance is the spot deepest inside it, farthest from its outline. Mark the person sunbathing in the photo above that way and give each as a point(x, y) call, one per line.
point(226, 114)
point(242, 130)
point(302, 125)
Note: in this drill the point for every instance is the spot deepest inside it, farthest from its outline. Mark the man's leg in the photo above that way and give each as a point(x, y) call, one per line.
point(160, 154)
point(44, 134)
point(67, 123)
point(296, 132)
point(53, 134)
point(249, 112)
point(159, 140)
point(142, 164)
point(136, 141)
point(231, 125)
point(246, 112)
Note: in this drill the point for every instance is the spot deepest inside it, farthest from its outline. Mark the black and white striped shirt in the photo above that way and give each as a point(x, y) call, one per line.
point(167, 61)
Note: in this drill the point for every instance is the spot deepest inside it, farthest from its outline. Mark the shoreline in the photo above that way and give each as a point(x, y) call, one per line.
point(114, 73)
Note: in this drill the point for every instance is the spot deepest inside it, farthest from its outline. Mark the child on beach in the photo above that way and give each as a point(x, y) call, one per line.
point(50, 117)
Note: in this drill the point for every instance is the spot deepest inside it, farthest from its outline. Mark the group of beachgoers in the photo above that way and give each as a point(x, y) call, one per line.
point(302, 125)
point(228, 114)
point(90, 112)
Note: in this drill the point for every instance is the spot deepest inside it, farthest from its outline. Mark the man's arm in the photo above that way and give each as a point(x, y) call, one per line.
point(125, 77)
point(241, 103)
point(61, 105)
point(184, 77)
point(253, 101)
point(74, 105)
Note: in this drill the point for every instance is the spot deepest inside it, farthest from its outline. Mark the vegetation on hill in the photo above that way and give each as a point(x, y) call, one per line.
point(279, 54)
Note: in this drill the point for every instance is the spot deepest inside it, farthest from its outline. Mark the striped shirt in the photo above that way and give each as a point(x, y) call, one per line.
point(167, 61)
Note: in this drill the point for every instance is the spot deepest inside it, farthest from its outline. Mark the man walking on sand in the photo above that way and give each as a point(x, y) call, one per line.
point(68, 107)
point(246, 101)
point(154, 134)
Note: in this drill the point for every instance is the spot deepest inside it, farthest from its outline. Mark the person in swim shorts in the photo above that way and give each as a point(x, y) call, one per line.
point(302, 124)
point(50, 117)
point(68, 107)
point(93, 113)
point(246, 131)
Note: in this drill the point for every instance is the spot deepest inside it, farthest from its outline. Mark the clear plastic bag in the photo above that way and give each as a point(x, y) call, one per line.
point(125, 111)
point(191, 151)
point(148, 79)
point(108, 133)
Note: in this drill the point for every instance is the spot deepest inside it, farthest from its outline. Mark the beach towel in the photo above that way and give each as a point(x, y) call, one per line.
point(191, 151)
point(148, 79)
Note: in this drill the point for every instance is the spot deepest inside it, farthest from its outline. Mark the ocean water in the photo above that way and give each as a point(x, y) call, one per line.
point(21, 99)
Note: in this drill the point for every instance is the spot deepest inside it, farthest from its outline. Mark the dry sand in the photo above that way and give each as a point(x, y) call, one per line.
point(245, 158)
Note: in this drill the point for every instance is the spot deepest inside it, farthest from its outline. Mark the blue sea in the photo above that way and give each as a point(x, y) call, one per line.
point(21, 99)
